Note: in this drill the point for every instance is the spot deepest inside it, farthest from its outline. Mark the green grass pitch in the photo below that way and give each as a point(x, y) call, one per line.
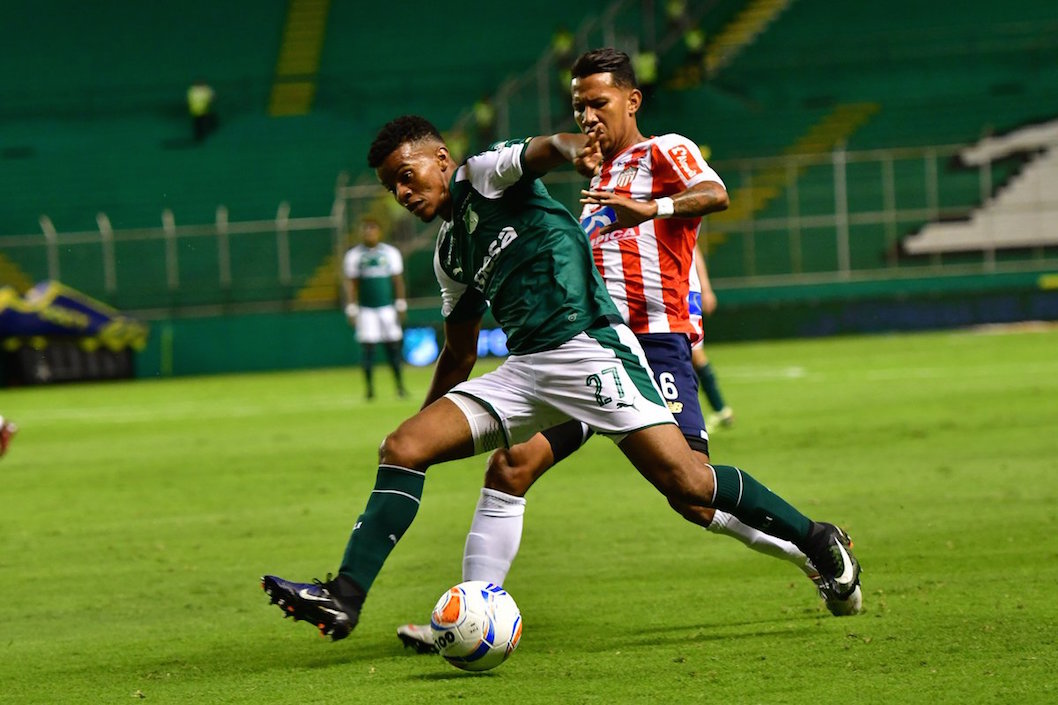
point(136, 518)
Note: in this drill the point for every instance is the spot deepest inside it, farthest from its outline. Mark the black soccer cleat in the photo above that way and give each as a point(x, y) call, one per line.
point(830, 550)
point(314, 602)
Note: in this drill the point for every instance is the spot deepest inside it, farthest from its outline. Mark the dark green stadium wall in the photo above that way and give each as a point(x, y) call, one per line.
point(307, 339)
point(254, 342)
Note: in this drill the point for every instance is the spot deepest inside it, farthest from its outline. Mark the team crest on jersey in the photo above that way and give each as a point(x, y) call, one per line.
point(685, 162)
point(625, 177)
point(470, 220)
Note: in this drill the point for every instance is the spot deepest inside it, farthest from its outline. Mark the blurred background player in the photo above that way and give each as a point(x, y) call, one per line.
point(376, 307)
point(8, 429)
point(722, 414)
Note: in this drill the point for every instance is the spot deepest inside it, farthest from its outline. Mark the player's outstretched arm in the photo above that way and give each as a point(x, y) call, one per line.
point(698, 200)
point(543, 154)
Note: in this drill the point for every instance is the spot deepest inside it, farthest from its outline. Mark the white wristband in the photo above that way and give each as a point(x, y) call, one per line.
point(352, 310)
point(665, 207)
point(401, 305)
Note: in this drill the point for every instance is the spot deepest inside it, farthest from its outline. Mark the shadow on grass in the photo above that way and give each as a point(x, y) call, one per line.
point(453, 674)
point(787, 627)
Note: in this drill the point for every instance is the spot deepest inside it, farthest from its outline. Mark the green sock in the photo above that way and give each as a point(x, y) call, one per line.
point(390, 510)
point(709, 386)
point(754, 504)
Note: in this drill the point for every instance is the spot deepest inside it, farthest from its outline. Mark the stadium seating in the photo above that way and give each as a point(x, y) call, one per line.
point(94, 120)
point(937, 79)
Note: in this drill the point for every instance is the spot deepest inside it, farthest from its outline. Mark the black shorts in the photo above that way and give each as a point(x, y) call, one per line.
point(669, 355)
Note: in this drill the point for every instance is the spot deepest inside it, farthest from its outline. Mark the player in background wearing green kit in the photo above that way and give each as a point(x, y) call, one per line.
point(375, 304)
point(505, 244)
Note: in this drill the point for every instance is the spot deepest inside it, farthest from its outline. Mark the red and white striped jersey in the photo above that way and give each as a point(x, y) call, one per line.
point(647, 269)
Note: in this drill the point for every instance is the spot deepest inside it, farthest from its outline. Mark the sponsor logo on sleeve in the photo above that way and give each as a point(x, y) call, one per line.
point(685, 162)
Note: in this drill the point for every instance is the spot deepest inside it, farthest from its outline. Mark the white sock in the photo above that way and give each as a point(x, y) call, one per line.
point(729, 525)
point(495, 534)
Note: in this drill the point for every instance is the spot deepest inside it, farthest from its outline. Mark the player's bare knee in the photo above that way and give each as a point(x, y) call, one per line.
point(507, 476)
point(403, 449)
point(691, 487)
point(694, 513)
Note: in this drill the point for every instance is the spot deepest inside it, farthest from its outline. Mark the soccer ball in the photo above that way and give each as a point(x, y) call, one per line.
point(476, 625)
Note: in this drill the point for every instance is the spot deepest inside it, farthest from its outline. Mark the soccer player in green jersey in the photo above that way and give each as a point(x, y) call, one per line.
point(505, 243)
point(374, 292)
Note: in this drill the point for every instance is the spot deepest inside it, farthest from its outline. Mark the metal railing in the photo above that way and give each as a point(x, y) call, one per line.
point(803, 218)
point(833, 216)
point(222, 265)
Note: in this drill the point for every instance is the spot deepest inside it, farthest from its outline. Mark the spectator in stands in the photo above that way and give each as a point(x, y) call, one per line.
point(694, 60)
point(200, 107)
point(485, 122)
point(676, 14)
point(8, 429)
point(563, 46)
point(645, 64)
point(375, 304)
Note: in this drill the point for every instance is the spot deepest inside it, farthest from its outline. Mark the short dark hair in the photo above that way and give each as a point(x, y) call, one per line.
point(398, 131)
point(606, 60)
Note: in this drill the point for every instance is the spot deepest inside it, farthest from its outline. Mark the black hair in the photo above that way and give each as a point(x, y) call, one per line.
point(606, 60)
point(398, 131)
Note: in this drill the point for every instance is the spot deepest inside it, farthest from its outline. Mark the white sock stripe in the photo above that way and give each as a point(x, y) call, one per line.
point(502, 496)
point(738, 502)
point(403, 494)
point(712, 502)
point(401, 468)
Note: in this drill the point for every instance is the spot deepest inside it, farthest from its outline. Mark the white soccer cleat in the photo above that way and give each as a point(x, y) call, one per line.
point(418, 636)
point(725, 418)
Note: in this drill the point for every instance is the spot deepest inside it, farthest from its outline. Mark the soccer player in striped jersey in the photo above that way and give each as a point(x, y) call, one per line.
point(641, 214)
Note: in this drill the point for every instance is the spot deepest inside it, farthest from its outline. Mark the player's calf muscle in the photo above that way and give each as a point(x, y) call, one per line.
point(662, 455)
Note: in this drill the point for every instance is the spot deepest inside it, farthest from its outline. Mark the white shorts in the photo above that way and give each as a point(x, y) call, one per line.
point(378, 325)
point(600, 378)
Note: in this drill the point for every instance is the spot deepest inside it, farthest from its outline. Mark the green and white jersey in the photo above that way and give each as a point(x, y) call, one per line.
point(375, 268)
point(512, 246)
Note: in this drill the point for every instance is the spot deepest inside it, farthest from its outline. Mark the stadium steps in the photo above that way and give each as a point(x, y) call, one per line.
point(768, 183)
point(1019, 214)
point(741, 32)
point(12, 275)
point(322, 286)
point(299, 58)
